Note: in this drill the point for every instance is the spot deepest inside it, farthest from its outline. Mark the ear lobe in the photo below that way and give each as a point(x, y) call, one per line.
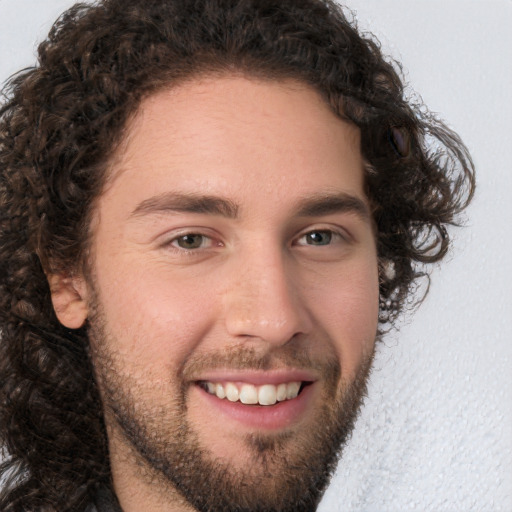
point(69, 300)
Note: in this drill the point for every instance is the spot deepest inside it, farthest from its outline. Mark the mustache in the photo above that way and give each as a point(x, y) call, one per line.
point(247, 358)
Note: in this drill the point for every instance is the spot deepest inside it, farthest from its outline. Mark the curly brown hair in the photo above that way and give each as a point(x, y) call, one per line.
point(60, 122)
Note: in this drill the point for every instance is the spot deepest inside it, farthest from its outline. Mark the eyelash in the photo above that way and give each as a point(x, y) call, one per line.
point(333, 237)
point(174, 242)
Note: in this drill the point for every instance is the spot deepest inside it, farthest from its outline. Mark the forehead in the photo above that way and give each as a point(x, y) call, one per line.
point(238, 136)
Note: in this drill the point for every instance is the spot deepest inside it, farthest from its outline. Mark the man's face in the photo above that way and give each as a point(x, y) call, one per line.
point(232, 254)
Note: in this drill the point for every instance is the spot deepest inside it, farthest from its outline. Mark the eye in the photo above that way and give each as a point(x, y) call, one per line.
point(318, 237)
point(192, 241)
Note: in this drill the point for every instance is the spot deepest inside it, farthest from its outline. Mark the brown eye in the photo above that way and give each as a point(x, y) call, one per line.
point(190, 241)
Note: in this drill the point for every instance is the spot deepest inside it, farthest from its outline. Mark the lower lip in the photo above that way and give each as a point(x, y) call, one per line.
point(266, 417)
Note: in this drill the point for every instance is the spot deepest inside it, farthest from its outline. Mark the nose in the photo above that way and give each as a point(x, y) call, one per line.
point(264, 300)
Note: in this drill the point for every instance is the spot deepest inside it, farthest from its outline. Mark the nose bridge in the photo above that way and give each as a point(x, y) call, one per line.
point(262, 299)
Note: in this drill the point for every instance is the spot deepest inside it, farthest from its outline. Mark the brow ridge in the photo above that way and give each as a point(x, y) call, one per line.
point(330, 203)
point(314, 206)
point(187, 203)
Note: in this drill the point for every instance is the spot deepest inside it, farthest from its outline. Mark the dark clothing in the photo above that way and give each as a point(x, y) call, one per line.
point(104, 501)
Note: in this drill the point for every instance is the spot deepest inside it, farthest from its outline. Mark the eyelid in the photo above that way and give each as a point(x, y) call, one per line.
point(335, 230)
point(171, 237)
point(175, 240)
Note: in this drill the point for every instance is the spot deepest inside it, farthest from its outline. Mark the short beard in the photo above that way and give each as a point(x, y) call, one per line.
point(288, 472)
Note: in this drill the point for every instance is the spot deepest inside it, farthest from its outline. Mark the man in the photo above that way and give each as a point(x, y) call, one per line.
point(210, 211)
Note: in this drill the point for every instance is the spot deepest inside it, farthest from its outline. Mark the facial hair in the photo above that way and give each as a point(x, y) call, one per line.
point(287, 472)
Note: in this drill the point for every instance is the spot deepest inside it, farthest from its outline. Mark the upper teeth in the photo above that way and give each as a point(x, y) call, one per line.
point(267, 394)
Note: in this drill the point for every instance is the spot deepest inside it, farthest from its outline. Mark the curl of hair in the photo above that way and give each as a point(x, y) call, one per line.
point(61, 121)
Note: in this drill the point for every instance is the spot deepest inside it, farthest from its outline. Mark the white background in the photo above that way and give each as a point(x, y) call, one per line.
point(436, 433)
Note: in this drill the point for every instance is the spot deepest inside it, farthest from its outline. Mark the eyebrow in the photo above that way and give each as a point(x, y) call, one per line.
point(326, 204)
point(187, 203)
point(315, 206)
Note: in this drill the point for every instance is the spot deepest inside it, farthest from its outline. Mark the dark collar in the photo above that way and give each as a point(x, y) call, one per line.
point(104, 501)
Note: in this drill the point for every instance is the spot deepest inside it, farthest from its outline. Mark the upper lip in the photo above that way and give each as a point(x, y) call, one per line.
point(258, 377)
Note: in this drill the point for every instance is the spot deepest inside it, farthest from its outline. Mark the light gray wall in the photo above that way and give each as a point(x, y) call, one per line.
point(436, 434)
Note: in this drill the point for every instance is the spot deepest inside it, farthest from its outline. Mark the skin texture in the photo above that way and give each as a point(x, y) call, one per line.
point(267, 288)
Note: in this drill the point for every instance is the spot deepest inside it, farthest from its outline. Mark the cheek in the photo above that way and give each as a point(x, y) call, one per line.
point(348, 310)
point(152, 316)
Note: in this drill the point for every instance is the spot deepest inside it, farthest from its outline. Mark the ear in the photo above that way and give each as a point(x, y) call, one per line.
point(69, 298)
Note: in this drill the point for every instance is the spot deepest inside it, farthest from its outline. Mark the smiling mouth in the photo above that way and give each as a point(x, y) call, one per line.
point(249, 394)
